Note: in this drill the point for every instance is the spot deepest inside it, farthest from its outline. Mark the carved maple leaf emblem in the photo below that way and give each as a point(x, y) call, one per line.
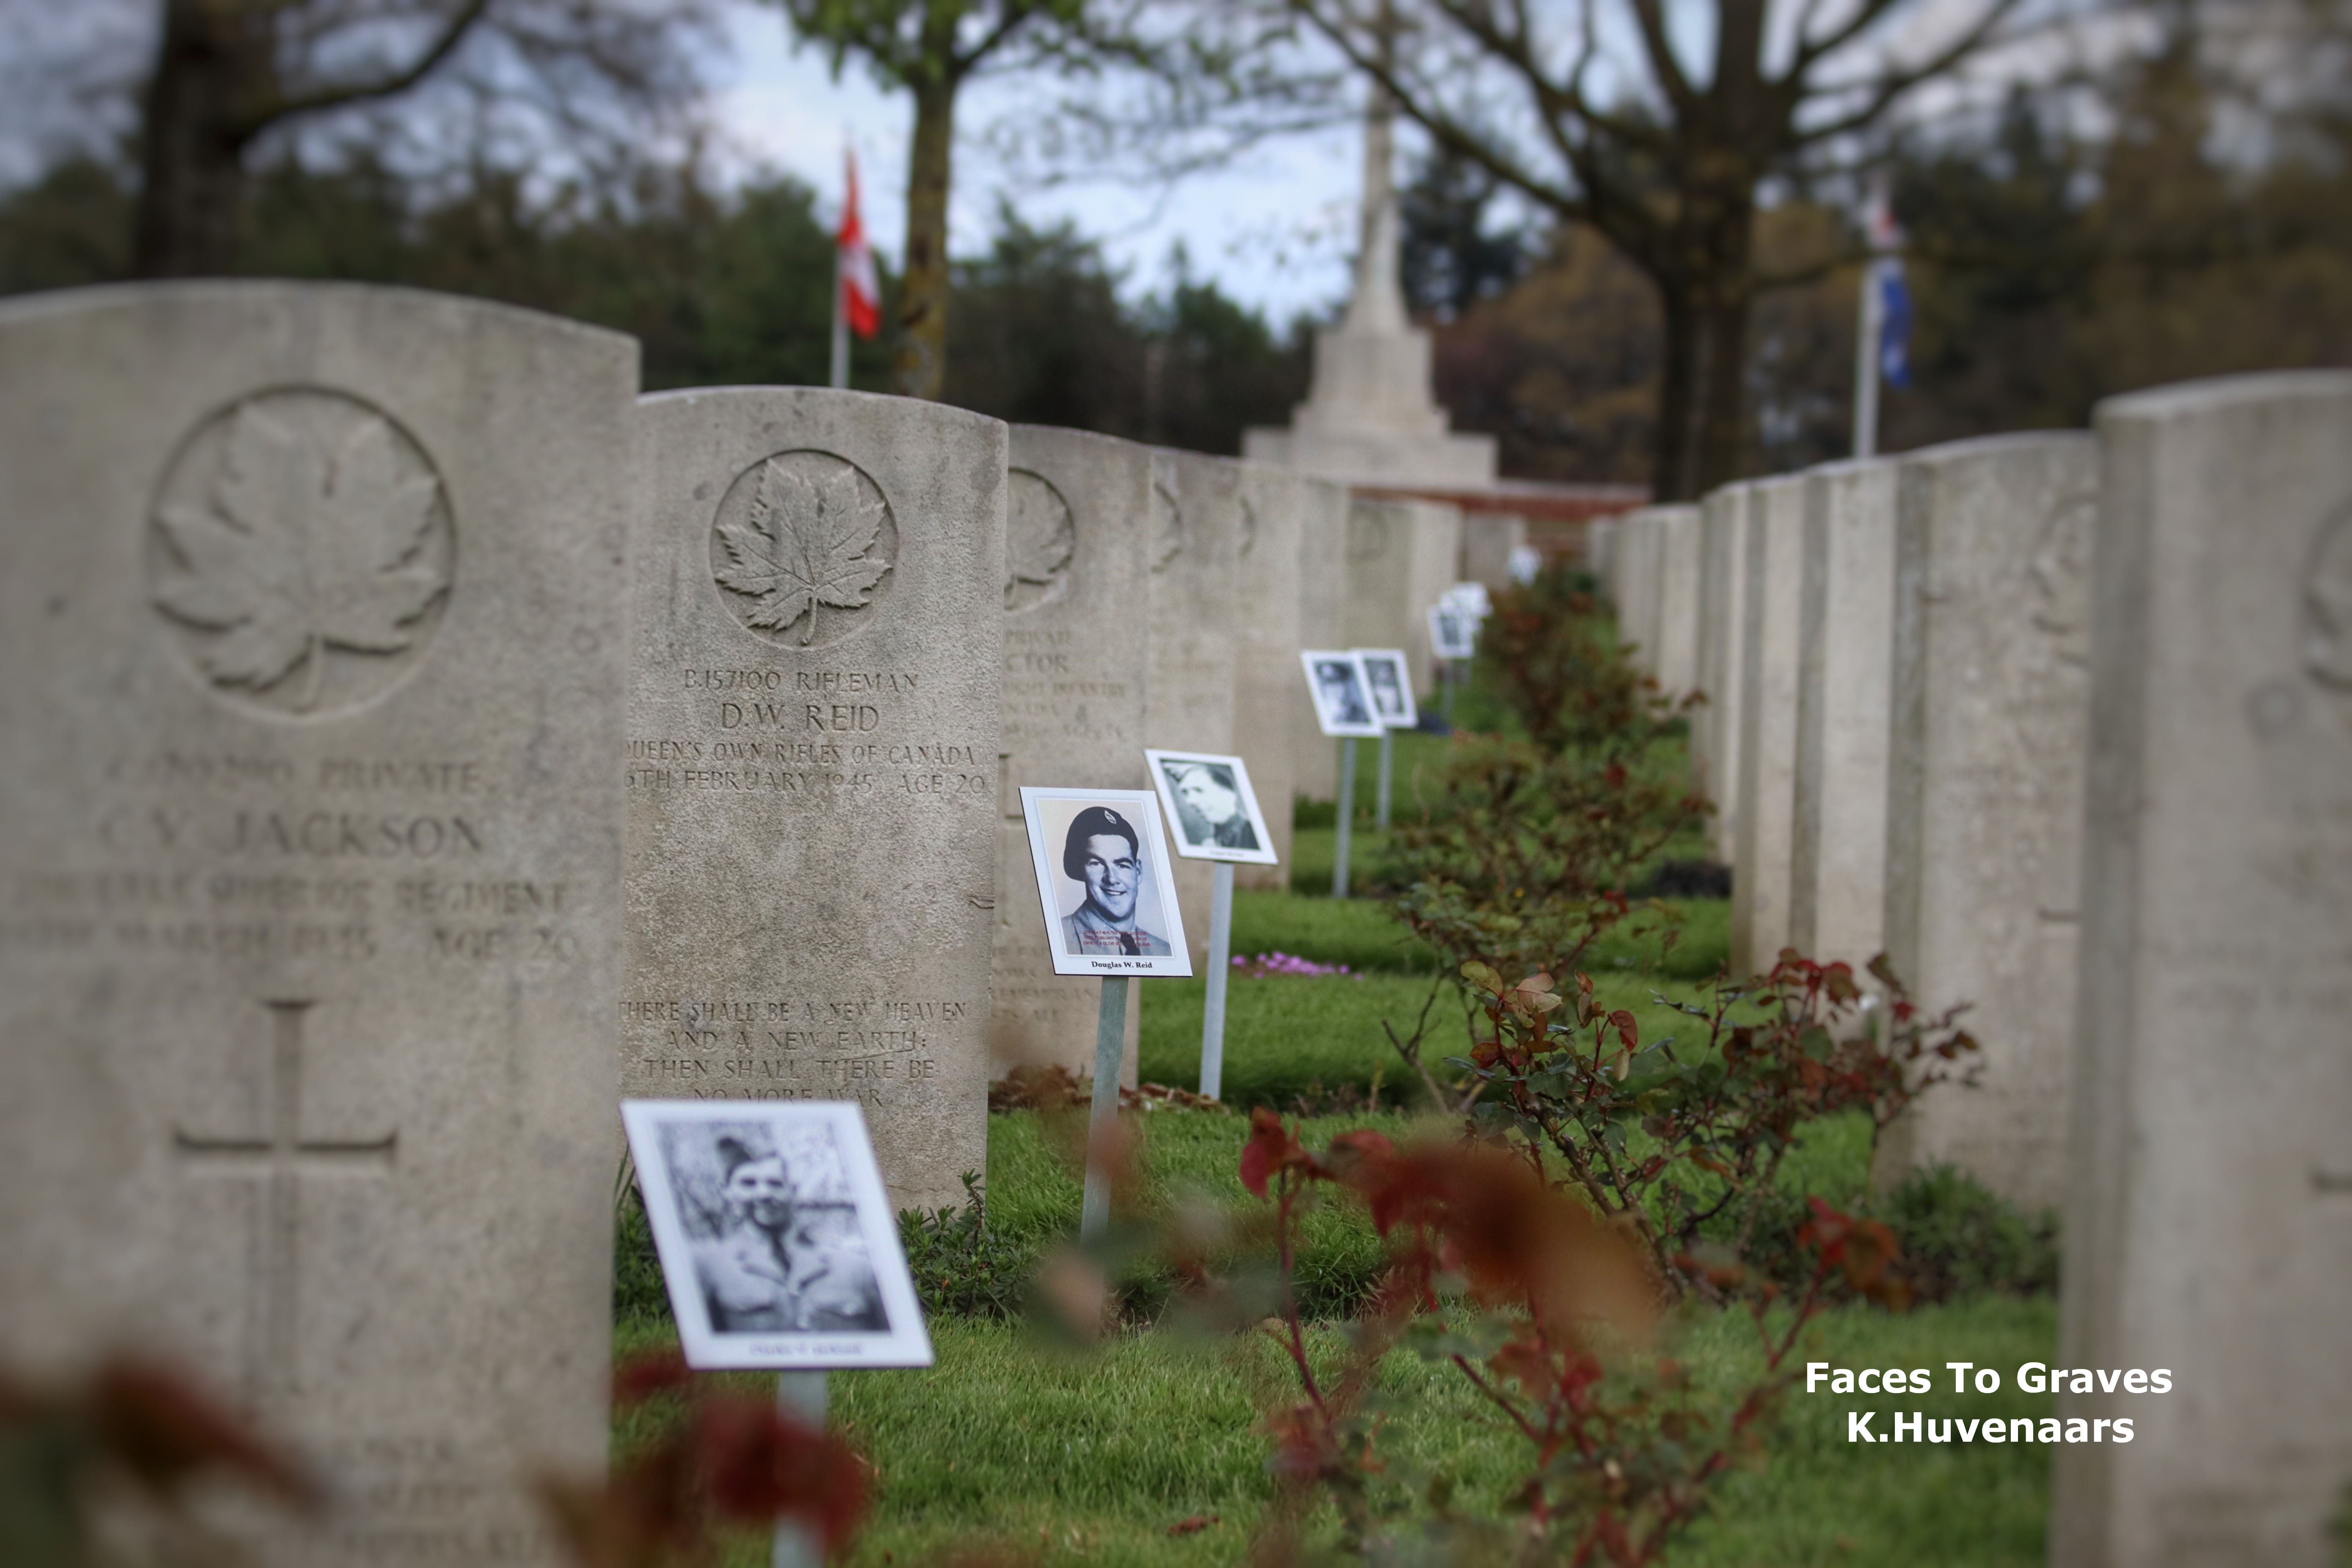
point(1039, 536)
point(300, 546)
point(806, 544)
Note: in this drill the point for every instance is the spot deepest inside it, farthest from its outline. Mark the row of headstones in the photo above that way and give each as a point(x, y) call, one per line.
point(414, 741)
point(2062, 723)
point(1186, 588)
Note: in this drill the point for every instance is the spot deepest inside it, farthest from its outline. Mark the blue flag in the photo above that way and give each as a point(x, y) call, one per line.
point(1895, 325)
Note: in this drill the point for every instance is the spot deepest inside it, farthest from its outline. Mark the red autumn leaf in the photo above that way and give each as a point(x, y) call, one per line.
point(1629, 1032)
point(1513, 1236)
point(642, 1377)
point(760, 1465)
point(167, 1431)
point(1271, 1147)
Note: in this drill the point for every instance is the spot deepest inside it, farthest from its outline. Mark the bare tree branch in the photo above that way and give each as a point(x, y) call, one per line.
point(1660, 48)
point(1880, 98)
point(340, 94)
point(1810, 51)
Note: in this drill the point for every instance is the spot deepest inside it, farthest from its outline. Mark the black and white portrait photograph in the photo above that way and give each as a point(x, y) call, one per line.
point(1471, 598)
point(1388, 675)
point(1214, 810)
point(1105, 879)
point(777, 1240)
point(1452, 630)
point(1343, 692)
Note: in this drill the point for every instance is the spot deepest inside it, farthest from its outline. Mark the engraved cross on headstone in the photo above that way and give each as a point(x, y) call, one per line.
point(279, 1159)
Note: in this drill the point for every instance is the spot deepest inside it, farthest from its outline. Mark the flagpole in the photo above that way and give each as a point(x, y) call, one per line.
point(1870, 335)
point(840, 377)
point(1865, 360)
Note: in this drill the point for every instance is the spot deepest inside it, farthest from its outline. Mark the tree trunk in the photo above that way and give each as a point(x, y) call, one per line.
point(1704, 295)
point(213, 60)
point(921, 366)
point(1703, 402)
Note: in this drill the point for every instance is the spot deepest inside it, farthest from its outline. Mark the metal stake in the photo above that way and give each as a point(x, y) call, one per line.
point(1221, 959)
point(801, 1395)
point(1346, 813)
point(1110, 1045)
point(1388, 767)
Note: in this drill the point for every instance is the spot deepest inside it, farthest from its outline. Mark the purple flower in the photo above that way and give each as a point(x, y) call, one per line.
point(1280, 962)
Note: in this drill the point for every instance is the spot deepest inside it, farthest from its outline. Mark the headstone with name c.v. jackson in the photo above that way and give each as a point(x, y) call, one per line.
point(311, 625)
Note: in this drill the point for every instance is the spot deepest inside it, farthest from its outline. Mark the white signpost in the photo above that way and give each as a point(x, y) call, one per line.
point(1216, 814)
point(1109, 893)
point(1343, 692)
point(1454, 632)
point(779, 1248)
point(1390, 677)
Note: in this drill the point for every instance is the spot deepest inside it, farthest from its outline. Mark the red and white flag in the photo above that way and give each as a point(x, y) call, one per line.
point(861, 290)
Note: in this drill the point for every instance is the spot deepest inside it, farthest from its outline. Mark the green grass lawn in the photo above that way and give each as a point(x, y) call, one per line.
point(1090, 1457)
point(1050, 1454)
point(1055, 1455)
point(1287, 1037)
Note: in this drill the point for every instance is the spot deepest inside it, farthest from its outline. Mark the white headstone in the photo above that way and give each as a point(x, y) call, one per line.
point(1636, 589)
point(1985, 791)
point(1845, 665)
point(1074, 673)
point(1400, 556)
point(2209, 1230)
point(1723, 621)
point(1080, 510)
point(813, 762)
point(1679, 533)
point(1600, 554)
point(1772, 585)
point(1488, 540)
point(312, 616)
point(1268, 702)
point(1322, 623)
point(1194, 625)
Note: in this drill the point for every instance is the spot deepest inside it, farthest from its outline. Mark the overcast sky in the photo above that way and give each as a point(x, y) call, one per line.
point(1275, 230)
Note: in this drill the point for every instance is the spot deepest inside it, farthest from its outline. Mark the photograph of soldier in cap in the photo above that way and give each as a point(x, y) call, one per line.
point(1337, 680)
point(1389, 676)
point(777, 1239)
point(1209, 801)
point(1103, 877)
